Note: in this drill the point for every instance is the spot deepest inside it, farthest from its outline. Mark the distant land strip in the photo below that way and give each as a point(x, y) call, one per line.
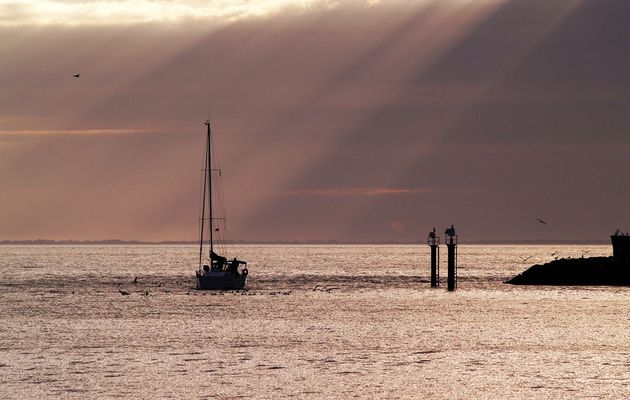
point(38, 242)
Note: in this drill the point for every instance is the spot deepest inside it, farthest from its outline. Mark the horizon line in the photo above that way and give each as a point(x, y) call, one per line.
point(296, 242)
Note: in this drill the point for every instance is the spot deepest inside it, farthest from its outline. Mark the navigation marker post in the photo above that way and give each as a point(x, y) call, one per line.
point(451, 244)
point(433, 241)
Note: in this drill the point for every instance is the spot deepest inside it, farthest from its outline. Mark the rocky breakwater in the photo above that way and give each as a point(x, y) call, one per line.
point(577, 271)
point(609, 271)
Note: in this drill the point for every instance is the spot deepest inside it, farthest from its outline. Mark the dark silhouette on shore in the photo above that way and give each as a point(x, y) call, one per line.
point(609, 271)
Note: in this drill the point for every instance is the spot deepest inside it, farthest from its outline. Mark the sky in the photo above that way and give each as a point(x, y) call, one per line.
point(352, 120)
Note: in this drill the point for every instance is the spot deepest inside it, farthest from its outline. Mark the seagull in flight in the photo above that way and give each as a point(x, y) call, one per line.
point(525, 258)
point(76, 75)
point(541, 221)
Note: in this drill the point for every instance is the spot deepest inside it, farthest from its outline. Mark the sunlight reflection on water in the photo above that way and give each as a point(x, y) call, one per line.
point(316, 322)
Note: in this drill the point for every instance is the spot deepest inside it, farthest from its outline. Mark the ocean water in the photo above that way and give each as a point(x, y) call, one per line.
point(316, 322)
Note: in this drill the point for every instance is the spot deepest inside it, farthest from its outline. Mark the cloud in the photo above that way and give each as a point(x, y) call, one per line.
point(358, 191)
point(334, 118)
point(72, 132)
point(128, 12)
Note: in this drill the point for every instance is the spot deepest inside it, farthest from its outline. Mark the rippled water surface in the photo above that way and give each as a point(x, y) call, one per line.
point(315, 322)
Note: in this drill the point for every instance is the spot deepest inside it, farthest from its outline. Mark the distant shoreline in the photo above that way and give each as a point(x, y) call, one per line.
point(43, 242)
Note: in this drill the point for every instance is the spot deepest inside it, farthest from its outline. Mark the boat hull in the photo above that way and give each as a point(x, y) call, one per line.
point(221, 281)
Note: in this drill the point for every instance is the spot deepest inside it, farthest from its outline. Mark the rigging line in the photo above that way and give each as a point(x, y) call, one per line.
point(210, 163)
point(220, 205)
point(220, 201)
point(226, 233)
point(201, 222)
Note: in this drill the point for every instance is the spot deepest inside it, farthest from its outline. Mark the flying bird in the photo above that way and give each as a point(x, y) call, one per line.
point(541, 221)
point(525, 258)
point(76, 75)
point(123, 292)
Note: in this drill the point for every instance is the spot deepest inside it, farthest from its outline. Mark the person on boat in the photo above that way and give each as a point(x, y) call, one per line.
point(206, 270)
point(233, 267)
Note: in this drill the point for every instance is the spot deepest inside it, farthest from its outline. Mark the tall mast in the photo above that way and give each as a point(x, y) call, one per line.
point(210, 184)
point(203, 200)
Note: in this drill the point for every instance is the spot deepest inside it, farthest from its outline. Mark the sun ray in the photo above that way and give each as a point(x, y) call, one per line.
point(112, 12)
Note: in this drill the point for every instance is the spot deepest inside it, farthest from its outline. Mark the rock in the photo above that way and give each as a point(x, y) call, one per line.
point(577, 271)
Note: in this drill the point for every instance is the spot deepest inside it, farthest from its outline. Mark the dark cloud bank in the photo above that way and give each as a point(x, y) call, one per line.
point(355, 124)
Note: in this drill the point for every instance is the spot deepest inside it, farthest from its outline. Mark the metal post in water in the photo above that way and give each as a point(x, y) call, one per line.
point(433, 241)
point(451, 244)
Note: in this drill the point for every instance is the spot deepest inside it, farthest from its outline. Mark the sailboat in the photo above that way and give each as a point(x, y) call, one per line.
point(215, 271)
